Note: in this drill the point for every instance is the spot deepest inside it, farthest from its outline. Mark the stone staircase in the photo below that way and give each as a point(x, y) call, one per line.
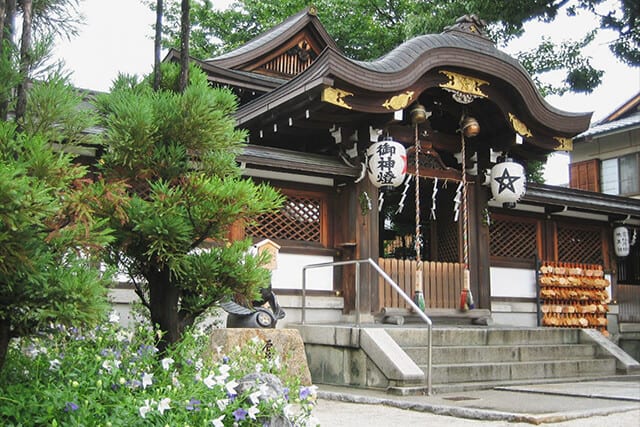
point(467, 358)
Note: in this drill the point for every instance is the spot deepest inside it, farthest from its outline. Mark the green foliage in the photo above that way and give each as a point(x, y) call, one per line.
point(535, 171)
point(112, 376)
point(176, 154)
point(368, 29)
point(48, 232)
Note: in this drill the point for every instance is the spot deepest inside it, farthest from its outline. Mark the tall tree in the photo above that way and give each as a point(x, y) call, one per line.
point(185, 29)
point(367, 29)
point(25, 58)
point(175, 150)
point(157, 45)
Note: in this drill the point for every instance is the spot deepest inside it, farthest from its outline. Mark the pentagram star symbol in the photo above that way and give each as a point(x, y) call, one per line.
point(506, 181)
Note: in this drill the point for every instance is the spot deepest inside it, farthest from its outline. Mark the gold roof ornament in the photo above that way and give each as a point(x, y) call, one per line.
point(400, 101)
point(564, 144)
point(464, 89)
point(519, 126)
point(336, 96)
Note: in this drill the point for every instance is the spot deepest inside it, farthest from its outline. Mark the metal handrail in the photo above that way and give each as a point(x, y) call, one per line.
point(389, 281)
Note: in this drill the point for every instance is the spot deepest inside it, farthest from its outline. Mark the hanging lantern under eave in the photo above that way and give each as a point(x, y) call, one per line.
point(386, 164)
point(621, 243)
point(508, 182)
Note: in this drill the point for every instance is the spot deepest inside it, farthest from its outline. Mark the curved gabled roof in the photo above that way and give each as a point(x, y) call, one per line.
point(273, 38)
point(408, 63)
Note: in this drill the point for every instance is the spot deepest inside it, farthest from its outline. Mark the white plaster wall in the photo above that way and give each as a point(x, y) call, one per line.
point(288, 274)
point(513, 282)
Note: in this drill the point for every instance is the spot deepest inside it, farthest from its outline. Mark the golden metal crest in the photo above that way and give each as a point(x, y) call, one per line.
point(465, 84)
point(336, 96)
point(565, 144)
point(519, 127)
point(398, 102)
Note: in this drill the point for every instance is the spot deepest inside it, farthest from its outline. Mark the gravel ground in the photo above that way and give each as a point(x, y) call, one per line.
point(335, 413)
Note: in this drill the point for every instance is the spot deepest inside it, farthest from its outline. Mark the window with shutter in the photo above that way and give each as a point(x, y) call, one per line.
point(585, 175)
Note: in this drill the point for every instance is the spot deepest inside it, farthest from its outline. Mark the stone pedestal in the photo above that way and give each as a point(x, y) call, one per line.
point(287, 343)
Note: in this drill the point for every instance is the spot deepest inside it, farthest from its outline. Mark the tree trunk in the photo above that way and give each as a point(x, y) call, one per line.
point(184, 46)
point(157, 74)
point(25, 59)
point(164, 298)
point(3, 11)
point(5, 337)
point(7, 17)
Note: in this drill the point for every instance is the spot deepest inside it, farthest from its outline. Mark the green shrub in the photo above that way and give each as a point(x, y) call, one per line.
point(113, 376)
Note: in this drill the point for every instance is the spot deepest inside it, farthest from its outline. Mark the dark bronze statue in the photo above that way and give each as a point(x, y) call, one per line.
point(262, 313)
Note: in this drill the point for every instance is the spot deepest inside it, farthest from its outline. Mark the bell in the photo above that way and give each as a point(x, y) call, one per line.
point(470, 127)
point(418, 114)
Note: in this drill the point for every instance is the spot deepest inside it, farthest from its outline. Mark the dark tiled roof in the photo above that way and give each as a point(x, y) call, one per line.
point(409, 52)
point(264, 38)
point(273, 38)
point(629, 122)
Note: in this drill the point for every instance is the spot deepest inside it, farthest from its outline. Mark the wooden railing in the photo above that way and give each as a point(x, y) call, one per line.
point(441, 282)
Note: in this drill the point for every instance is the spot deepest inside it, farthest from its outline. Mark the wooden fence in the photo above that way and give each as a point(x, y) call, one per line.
point(441, 282)
point(628, 297)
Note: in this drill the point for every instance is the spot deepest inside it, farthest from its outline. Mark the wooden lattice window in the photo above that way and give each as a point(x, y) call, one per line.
point(300, 219)
point(514, 238)
point(579, 244)
point(448, 242)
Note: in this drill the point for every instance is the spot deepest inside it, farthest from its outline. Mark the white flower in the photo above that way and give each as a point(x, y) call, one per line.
point(54, 364)
point(166, 363)
point(222, 404)
point(199, 363)
point(255, 340)
point(163, 405)
point(258, 367)
point(252, 412)
point(111, 365)
point(231, 387)
point(147, 380)
point(277, 362)
point(255, 397)
point(146, 408)
point(218, 421)
point(224, 374)
point(114, 317)
point(209, 381)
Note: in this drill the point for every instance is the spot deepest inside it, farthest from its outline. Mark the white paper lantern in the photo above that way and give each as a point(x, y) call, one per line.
point(508, 182)
point(386, 163)
point(621, 241)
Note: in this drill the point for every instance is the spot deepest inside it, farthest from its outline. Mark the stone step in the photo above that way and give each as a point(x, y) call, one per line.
point(500, 353)
point(484, 385)
point(500, 372)
point(415, 337)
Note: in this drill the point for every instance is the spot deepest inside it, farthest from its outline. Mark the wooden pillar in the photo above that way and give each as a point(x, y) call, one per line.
point(357, 239)
point(479, 257)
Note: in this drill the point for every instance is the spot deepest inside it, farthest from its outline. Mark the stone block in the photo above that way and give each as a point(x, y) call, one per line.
point(287, 343)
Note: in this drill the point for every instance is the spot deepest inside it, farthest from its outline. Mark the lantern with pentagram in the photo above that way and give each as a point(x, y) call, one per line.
point(386, 164)
point(508, 182)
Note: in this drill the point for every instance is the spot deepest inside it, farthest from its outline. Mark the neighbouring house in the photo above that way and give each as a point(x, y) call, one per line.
point(606, 159)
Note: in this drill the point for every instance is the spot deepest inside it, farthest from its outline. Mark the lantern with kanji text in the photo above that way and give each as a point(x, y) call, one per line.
point(386, 164)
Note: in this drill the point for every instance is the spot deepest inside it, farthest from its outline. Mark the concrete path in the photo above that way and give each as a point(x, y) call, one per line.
point(595, 403)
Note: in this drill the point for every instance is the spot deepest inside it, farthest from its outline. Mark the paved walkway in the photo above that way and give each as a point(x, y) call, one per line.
point(607, 402)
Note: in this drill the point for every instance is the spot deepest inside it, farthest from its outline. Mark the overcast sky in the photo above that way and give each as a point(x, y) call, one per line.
point(118, 34)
